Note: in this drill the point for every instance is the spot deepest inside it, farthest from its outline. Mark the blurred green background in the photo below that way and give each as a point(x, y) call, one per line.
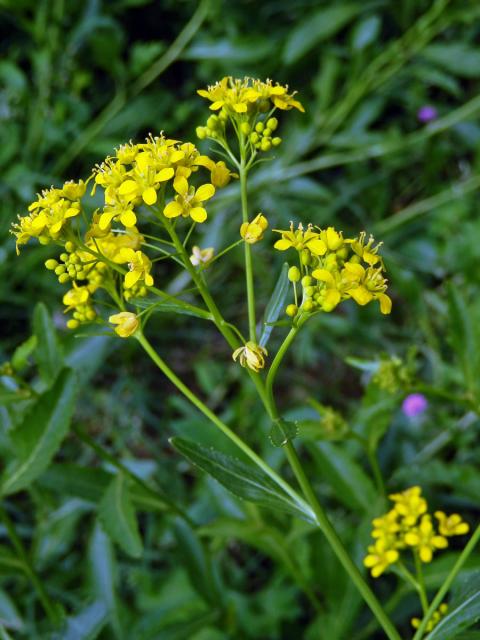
point(78, 79)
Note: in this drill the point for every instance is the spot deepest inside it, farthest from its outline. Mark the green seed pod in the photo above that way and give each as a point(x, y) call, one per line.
point(294, 274)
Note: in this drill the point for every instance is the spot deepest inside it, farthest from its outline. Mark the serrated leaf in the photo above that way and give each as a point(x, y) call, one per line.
point(275, 305)
point(48, 352)
point(242, 479)
point(39, 437)
point(118, 517)
point(87, 624)
point(316, 28)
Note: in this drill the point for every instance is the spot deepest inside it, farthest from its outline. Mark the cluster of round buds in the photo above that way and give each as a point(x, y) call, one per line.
point(79, 301)
point(437, 616)
point(214, 127)
point(261, 137)
point(71, 265)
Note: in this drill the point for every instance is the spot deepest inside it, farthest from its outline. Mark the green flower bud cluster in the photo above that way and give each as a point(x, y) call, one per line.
point(261, 138)
point(392, 375)
point(70, 265)
point(214, 127)
point(83, 313)
point(139, 290)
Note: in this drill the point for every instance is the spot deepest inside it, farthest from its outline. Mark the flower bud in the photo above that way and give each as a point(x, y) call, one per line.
point(259, 127)
point(245, 128)
point(127, 323)
point(253, 231)
point(51, 264)
point(291, 310)
point(276, 142)
point(294, 274)
point(272, 123)
point(201, 133)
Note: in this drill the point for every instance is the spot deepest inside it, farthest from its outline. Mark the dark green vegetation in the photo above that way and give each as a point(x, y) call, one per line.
point(102, 517)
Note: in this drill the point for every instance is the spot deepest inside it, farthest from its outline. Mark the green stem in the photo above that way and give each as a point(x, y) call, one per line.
point(48, 605)
point(174, 379)
point(421, 583)
point(438, 599)
point(377, 474)
point(243, 173)
point(320, 515)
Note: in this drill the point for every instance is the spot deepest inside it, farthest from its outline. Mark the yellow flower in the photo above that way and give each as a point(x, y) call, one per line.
point(144, 180)
point(139, 265)
point(300, 239)
point(127, 323)
point(253, 231)
point(201, 256)
point(366, 285)
point(189, 201)
point(380, 557)
point(451, 525)
point(76, 297)
point(220, 174)
point(409, 504)
point(425, 539)
point(251, 355)
point(386, 526)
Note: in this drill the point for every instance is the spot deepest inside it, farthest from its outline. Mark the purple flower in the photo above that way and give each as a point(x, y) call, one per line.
point(427, 113)
point(414, 404)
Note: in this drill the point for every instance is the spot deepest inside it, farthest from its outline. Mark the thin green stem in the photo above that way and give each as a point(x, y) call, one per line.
point(174, 379)
point(421, 583)
point(337, 545)
point(438, 599)
point(320, 515)
point(49, 607)
point(375, 467)
point(243, 173)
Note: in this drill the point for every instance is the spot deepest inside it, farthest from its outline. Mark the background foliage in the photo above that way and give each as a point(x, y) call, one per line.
point(106, 538)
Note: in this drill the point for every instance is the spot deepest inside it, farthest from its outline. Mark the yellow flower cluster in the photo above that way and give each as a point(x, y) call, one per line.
point(253, 231)
point(237, 95)
point(50, 213)
point(408, 525)
point(335, 268)
point(249, 104)
point(92, 258)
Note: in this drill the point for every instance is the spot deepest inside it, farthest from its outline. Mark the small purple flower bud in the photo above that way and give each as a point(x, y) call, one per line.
point(414, 404)
point(427, 113)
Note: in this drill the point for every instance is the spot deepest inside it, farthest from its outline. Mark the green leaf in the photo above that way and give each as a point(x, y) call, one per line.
point(103, 570)
point(275, 305)
point(87, 624)
point(48, 353)
point(348, 480)
point(282, 432)
point(316, 28)
point(243, 480)
point(463, 335)
point(197, 562)
point(462, 617)
point(456, 57)
point(39, 437)
point(72, 480)
point(172, 306)
point(365, 32)
point(118, 517)
point(23, 352)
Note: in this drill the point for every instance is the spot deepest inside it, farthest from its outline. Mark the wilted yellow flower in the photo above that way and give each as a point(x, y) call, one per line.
point(253, 231)
point(299, 239)
point(451, 525)
point(251, 355)
point(139, 265)
point(127, 323)
point(189, 201)
point(380, 557)
point(201, 256)
point(425, 539)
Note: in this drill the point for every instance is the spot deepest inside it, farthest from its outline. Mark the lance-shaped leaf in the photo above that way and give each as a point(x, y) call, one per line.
point(48, 353)
point(243, 480)
point(118, 517)
point(275, 305)
point(39, 437)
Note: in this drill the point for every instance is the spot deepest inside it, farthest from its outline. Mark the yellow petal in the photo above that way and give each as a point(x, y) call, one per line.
point(128, 218)
point(204, 161)
point(240, 107)
point(180, 185)
point(131, 278)
point(205, 192)
point(173, 209)
point(217, 105)
point(165, 174)
point(148, 280)
point(361, 295)
point(149, 196)
point(282, 244)
point(317, 246)
point(177, 156)
point(385, 303)
point(128, 188)
point(198, 214)
point(324, 276)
